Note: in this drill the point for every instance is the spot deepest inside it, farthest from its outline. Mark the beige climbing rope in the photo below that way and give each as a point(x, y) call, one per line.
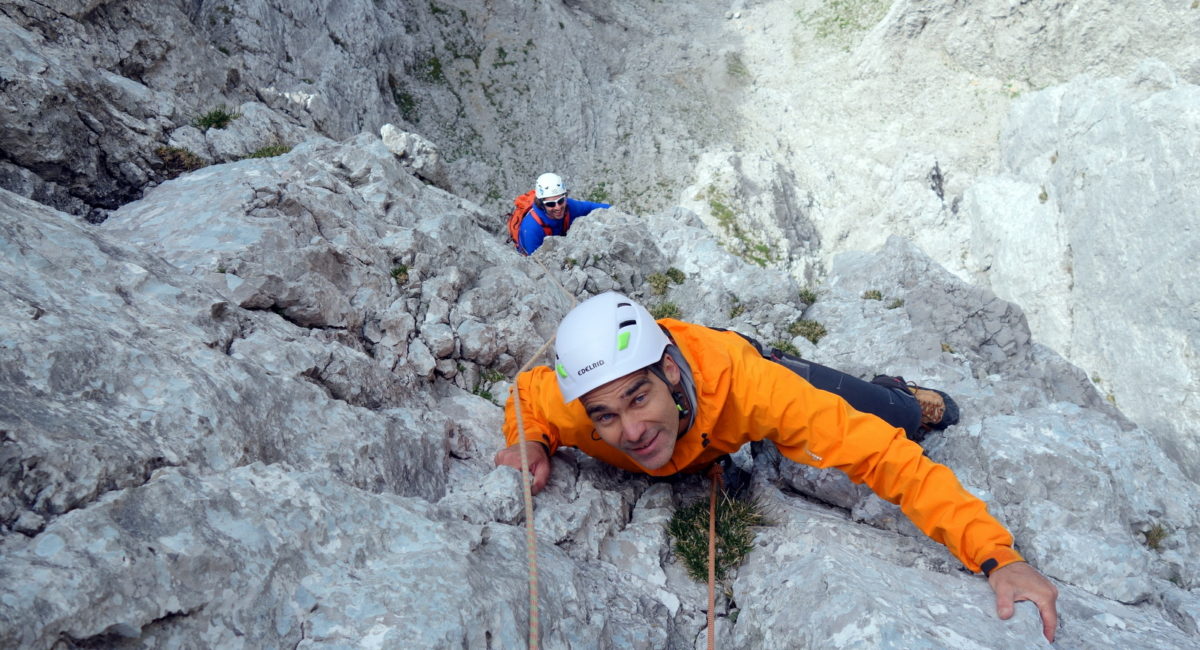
point(714, 473)
point(527, 491)
point(527, 477)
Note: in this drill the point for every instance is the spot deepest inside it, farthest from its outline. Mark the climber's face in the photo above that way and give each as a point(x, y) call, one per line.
point(555, 206)
point(637, 415)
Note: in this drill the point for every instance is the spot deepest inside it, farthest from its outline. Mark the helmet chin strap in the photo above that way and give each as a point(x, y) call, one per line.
point(684, 411)
point(677, 394)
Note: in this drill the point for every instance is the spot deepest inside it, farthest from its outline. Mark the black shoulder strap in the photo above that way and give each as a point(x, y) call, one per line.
point(789, 361)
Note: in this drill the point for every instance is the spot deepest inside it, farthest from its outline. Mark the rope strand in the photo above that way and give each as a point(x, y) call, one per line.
point(527, 493)
point(714, 473)
point(530, 533)
point(527, 478)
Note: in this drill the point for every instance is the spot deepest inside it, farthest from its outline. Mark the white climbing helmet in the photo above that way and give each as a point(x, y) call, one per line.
point(549, 185)
point(604, 338)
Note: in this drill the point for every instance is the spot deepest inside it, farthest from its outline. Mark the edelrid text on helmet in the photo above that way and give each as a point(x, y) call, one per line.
point(590, 367)
point(604, 338)
point(548, 185)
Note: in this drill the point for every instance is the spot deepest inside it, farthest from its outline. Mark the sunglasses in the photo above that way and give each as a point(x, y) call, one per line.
point(555, 203)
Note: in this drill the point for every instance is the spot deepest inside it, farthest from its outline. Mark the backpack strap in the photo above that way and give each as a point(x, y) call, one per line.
point(566, 220)
point(546, 229)
point(789, 361)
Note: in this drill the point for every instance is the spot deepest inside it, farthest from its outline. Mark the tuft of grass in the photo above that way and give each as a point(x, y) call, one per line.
point(737, 309)
point(761, 255)
point(736, 520)
point(177, 160)
point(808, 296)
point(665, 310)
point(658, 283)
point(270, 151)
point(836, 18)
point(217, 118)
point(1155, 536)
point(502, 58)
point(946, 348)
point(872, 294)
point(400, 273)
point(722, 212)
point(736, 68)
point(483, 388)
point(895, 304)
point(431, 70)
point(786, 346)
point(809, 329)
point(740, 243)
point(404, 100)
point(599, 194)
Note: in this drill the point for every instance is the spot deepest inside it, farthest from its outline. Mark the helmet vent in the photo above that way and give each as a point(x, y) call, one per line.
point(626, 323)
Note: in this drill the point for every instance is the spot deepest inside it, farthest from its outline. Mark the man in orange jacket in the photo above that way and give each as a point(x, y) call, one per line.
point(669, 397)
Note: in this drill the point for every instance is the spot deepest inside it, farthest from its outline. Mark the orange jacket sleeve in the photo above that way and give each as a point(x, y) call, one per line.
point(818, 428)
point(541, 408)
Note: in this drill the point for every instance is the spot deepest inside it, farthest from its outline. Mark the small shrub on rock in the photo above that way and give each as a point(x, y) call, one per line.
point(177, 160)
point(270, 151)
point(658, 283)
point(809, 329)
point(400, 273)
point(786, 346)
point(665, 310)
point(735, 535)
point(217, 118)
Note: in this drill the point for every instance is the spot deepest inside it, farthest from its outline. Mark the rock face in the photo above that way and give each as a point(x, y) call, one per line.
point(1095, 191)
point(240, 411)
point(257, 405)
point(93, 92)
point(796, 129)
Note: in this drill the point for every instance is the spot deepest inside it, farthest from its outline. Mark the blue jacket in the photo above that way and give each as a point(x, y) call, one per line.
point(531, 234)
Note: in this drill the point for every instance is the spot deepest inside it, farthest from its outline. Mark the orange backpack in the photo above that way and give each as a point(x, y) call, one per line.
point(524, 205)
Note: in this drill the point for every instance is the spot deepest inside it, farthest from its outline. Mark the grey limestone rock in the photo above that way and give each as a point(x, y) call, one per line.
point(143, 391)
point(417, 153)
point(1094, 174)
point(258, 405)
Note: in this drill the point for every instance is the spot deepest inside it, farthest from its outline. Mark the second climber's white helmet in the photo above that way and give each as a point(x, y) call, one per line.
point(549, 185)
point(604, 338)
